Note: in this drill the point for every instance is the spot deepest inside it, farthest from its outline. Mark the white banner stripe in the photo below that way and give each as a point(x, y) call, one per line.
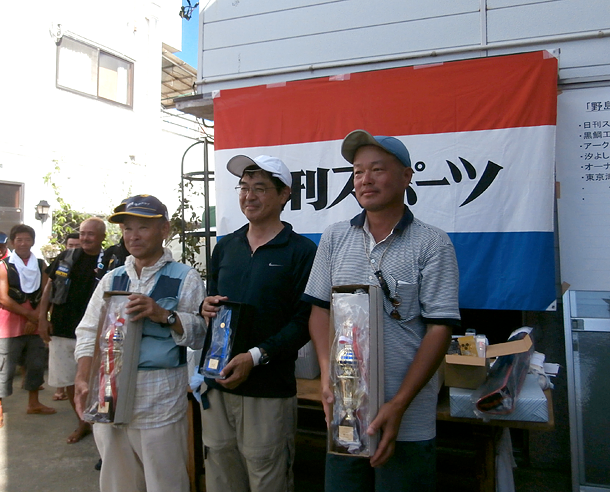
point(506, 174)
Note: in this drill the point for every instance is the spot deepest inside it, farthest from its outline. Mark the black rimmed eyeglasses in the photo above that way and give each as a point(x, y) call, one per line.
point(242, 190)
point(394, 300)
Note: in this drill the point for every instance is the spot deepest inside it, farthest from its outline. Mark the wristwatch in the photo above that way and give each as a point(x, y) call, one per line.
point(264, 360)
point(171, 319)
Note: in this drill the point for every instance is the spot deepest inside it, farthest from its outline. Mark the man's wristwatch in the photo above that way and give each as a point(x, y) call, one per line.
point(264, 357)
point(171, 319)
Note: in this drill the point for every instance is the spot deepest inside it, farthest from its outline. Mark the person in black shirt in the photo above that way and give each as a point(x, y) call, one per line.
point(72, 242)
point(73, 277)
point(115, 255)
point(265, 265)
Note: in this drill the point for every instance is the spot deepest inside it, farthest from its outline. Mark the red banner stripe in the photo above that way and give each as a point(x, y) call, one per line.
point(460, 96)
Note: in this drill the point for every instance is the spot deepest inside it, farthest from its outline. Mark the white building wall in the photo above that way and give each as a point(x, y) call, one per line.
point(105, 151)
point(250, 43)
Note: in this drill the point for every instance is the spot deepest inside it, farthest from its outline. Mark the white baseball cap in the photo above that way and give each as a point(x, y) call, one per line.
point(273, 165)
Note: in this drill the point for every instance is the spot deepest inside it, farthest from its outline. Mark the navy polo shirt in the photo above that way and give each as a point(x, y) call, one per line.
point(272, 281)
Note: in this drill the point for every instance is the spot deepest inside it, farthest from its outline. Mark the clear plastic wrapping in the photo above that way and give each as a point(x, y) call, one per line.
point(106, 387)
point(498, 394)
point(349, 373)
point(219, 353)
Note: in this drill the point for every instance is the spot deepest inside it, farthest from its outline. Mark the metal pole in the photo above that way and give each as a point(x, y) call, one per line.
point(182, 234)
point(206, 213)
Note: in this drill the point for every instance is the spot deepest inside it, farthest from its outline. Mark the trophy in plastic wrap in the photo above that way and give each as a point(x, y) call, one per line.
point(114, 366)
point(354, 373)
point(349, 378)
point(219, 353)
point(111, 346)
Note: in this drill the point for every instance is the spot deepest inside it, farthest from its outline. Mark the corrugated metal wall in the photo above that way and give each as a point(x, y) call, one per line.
point(254, 42)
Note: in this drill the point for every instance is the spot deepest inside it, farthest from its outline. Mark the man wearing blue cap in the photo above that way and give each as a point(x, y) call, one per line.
point(415, 266)
point(150, 453)
point(250, 423)
point(3, 246)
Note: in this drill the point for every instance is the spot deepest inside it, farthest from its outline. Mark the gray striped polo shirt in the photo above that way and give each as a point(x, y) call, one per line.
point(418, 263)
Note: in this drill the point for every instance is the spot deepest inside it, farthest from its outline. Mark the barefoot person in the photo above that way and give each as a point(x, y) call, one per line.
point(21, 279)
point(73, 277)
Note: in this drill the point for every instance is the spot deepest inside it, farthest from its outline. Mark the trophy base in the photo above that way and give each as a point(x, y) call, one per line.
point(347, 436)
point(101, 413)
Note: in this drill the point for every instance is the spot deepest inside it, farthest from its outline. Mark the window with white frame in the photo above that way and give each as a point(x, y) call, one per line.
point(11, 205)
point(89, 70)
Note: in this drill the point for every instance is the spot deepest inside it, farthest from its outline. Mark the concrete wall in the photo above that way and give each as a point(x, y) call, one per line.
point(104, 151)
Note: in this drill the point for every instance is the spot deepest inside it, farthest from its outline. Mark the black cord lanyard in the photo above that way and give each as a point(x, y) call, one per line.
point(394, 300)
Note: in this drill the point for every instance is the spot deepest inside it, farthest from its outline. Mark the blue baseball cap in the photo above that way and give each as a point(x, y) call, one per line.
point(146, 206)
point(358, 138)
point(3, 238)
point(121, 206)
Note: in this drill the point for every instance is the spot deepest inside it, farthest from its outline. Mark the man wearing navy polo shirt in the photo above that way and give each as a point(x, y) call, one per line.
point(415, 266)
point(249, 427)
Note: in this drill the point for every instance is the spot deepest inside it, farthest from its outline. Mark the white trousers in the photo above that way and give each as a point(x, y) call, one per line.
point(143, 460)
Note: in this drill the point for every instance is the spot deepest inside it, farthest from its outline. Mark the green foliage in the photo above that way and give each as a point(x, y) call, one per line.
point(113, 234)
point(192, 222)
point(66, 220)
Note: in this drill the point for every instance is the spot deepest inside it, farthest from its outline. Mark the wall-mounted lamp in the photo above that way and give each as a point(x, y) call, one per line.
point(42, 211)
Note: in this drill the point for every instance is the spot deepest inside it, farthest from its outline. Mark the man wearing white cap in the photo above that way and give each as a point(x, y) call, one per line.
point(250, 423)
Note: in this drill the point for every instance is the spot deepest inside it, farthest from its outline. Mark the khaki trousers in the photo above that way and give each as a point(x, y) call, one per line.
point(249, 443)
point(143, 460)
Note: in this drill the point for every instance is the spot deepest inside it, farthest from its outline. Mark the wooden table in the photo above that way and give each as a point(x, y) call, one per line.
point(485, 434)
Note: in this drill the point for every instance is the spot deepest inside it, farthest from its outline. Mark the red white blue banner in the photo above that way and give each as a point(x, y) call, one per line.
point(481, 134)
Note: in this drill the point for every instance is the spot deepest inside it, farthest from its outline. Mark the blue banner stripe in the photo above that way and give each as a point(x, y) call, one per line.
point(506, 270)
point(510, 270)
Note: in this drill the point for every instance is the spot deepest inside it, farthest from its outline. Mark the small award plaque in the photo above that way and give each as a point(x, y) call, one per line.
point(228, 336)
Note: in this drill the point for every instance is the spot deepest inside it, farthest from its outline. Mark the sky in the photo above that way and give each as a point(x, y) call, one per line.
point(190, 37)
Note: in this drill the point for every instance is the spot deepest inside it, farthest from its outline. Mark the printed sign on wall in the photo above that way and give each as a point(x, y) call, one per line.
point(583, 173)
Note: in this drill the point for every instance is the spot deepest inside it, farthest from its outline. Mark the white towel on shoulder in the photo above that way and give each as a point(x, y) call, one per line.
point(29, 275)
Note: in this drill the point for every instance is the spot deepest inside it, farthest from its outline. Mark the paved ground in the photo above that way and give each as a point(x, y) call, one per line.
point(34, 455)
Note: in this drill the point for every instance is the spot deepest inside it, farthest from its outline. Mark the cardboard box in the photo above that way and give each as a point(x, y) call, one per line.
point(307, 366)
point(375, 383)
point(462, 371)
point(531, 404)
point(507, 348)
